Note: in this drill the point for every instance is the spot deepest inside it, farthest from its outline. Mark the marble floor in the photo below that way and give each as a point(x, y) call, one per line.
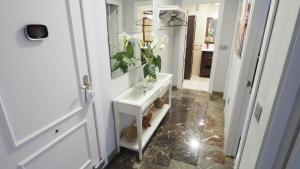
point(190, 137)
point(196, 83)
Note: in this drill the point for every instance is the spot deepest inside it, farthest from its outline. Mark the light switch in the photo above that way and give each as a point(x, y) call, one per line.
point(257, 113)
point(223, 47)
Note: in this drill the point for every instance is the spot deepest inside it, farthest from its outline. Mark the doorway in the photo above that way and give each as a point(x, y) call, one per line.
point(200, 40)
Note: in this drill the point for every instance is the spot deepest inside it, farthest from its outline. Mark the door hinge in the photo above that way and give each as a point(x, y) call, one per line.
point(99, 164)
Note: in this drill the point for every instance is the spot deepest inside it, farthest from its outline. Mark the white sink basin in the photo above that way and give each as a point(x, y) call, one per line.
point(143, 90)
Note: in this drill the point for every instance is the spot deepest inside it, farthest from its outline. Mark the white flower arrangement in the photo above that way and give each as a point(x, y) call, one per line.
point(124, 58)
point(150, 54)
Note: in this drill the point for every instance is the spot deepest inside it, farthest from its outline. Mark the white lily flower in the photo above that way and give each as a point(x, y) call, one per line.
point(123, 39)
point(125, 36)
point(162, 46)
point(154, 43)
point(139, 38)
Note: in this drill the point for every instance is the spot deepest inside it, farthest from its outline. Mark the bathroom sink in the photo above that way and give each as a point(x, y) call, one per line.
point(144, 90)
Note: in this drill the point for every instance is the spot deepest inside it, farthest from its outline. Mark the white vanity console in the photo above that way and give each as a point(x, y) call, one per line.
point(136, 103)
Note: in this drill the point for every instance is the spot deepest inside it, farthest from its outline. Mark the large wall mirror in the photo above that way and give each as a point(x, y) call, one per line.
point(128, 20)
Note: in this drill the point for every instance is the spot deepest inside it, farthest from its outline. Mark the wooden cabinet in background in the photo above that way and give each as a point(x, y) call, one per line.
point(206, 62)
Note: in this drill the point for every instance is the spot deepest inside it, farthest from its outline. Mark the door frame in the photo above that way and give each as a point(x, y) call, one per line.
point(95, 76)
point(217, 41)
point(283, 124)
point(259, 71)
point(251, 52)
point(191, 57)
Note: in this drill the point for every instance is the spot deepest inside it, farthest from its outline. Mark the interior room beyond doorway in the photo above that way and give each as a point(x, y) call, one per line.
point(201, 30)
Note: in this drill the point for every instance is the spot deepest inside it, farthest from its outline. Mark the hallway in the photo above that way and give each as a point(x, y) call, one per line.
point(191, 137)
point(196, 83)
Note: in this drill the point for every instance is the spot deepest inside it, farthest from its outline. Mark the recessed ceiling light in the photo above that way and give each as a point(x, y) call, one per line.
point(216, 4)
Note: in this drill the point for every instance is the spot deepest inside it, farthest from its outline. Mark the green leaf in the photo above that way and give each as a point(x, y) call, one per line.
point(116, 66)
point(149, 50)
point(119, 56)
point(149, 70)
point(124, 68)
point(157, 62)
point(126, 60)
point(146, 70)
point(129, 50)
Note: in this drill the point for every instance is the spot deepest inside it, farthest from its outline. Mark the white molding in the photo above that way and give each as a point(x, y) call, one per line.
point(89, 32)
point(120, 12)
point(86, 164)
point(23, 163)
point(29, 137)
point(75, 48)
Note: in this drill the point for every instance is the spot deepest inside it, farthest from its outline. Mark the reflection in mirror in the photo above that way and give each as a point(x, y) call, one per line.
point(128, 20)
point(211, 27)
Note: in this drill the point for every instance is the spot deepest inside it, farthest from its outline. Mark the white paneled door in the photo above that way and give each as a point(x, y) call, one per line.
point(46, 121)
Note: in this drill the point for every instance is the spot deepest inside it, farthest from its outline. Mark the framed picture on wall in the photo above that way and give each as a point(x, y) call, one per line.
point(242, 27)
point(211, 27)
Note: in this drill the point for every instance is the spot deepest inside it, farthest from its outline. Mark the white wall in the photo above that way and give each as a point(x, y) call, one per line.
point(106, 88)
point(232, 83)
point(170, 2)
point(128, 16)
point(172, 56)
point(226, 40)
point(270, 81)
point(179, 34)
point(233, 73)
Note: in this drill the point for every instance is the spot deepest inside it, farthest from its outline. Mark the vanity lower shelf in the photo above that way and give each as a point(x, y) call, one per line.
point(147, 133)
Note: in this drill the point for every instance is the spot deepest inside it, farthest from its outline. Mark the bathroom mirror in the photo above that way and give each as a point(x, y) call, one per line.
point(128, 21)
point(211, 27)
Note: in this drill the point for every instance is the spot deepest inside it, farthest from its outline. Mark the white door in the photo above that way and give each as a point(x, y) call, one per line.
point(45, 121)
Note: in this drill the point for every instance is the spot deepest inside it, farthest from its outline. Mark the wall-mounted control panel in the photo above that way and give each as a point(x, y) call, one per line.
point(36, 32)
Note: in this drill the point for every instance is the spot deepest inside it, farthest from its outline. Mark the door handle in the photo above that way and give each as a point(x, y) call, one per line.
point(86, 87)
point(86, 82)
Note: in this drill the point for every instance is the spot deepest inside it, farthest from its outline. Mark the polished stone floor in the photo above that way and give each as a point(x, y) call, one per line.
point(190, 137)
